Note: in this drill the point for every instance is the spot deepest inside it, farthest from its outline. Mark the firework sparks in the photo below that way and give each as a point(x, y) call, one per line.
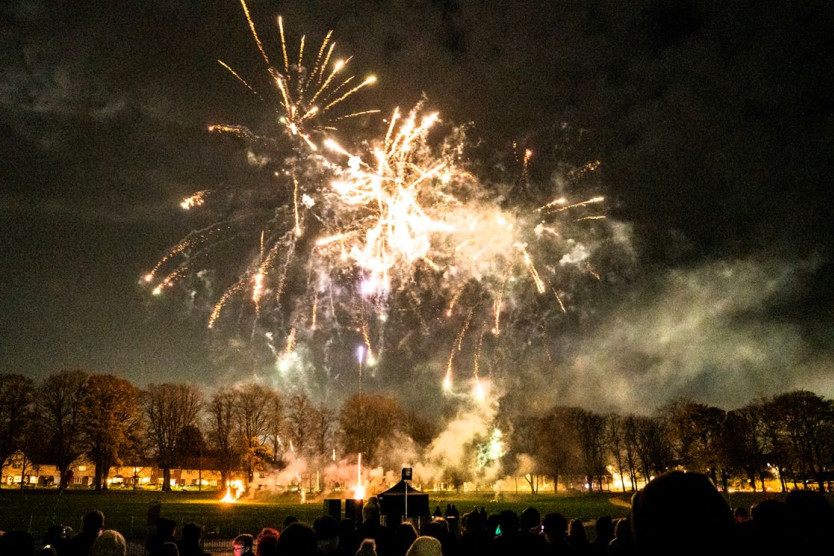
point(306, 92)
point(365, 220)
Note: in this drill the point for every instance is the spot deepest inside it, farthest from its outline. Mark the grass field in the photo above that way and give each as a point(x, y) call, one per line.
point(127, 511)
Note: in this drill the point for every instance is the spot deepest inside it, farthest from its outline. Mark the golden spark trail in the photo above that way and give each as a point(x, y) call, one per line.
point(283, 44)
point(528, 261)
point(239, 78)
point(559, 299)
point(562, 201)
point(317, 65)
point(215, 313)
point(254, 32)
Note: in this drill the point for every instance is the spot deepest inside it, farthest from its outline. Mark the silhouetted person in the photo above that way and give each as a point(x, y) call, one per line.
point(578, 538)
point(367, 548)
point(297, 540)
point(17, 543)
point(555, 531)
point(681, 513)
point(266, 546)
point(109, 543)
point(475, 539)
point(767, 531)
point(623, 542)
point(348, 543)
point(812, 520)
point(604, 528)
point(91, 527)
point(507, 542)
point(169, 548)
point(425, 546)
point(189, 543)
point(327, 532)
point(165, 529)
point(404, 537)
point(371, 527)
point(439, 528)
point(531, 540)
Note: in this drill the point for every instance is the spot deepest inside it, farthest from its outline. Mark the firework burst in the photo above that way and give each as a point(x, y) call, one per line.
point(341, 234)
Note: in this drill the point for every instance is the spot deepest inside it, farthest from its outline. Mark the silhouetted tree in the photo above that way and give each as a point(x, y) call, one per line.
point(110, 413)
point(15, 411)
point(694, 433)
point(616, 444)
point(806, 420)
point(169, 409)
point(590, 427)
point(742, 446)
point(559, 453)
point(59, 405)
point(223, 438)
point(365, 420)
point(297, 423)
point(253, 403)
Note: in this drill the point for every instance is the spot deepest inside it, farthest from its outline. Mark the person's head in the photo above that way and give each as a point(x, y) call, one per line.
point(109, 543)
point(367, 548)
point(191, 533)
point(17, 543)
point(604, 527)
point(576, 532)
point(266, 545)
point(165, 527)
point(289, 520)
point(508, 522)
point(530, 518)
point(425, 546)
point(298, 540)
point(622, 530)
point(243, 544)
point(267, 532)
point(555, 528)
point(405, 533)
point(93, 522)
point(326, 528)
point(680, 513)
point(370, 512)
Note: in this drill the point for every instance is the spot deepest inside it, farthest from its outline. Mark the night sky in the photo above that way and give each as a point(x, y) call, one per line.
point(713, 124)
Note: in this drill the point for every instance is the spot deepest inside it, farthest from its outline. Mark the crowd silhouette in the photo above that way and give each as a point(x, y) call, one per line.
point(677, 513)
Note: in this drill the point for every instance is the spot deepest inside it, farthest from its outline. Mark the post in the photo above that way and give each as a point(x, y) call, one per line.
point(406, 477)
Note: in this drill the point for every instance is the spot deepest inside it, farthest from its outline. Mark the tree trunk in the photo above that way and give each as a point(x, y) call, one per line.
point(64, 473)
point(97, 477)
point(166, 479)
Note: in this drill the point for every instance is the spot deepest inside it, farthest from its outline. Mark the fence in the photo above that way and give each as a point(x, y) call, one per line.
point(215, 547)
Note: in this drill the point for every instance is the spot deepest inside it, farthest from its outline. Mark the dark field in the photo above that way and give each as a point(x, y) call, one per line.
point(127, 511)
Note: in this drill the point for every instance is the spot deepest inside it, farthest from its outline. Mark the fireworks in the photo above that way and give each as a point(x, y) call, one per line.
point(343, 232)
point(307, 92)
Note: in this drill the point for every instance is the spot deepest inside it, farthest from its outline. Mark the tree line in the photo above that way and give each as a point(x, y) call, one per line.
point(789, 437)
point(251, 427)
